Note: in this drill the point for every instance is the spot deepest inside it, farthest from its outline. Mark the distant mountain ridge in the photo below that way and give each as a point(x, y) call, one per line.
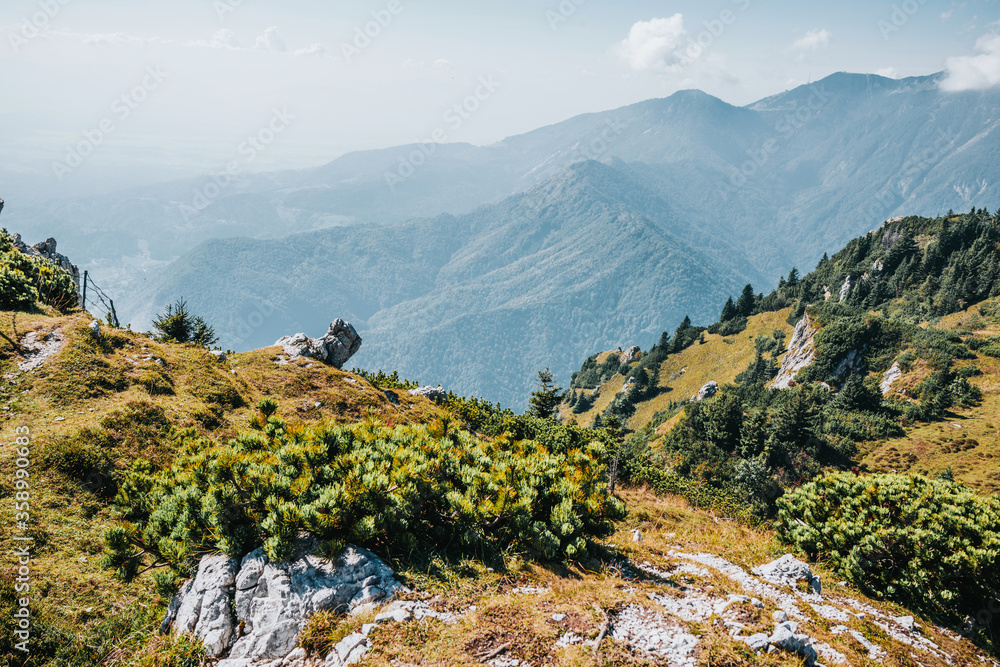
point(754, 189)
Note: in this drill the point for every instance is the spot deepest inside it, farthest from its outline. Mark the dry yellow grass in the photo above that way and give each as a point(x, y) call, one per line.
point(681, 376)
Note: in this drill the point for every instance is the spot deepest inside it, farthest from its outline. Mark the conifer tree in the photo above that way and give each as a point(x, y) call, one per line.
point(179, 325)
point(745, 304)
point(546, 399)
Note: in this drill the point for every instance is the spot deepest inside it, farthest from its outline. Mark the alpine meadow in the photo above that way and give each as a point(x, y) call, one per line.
point(530, 334)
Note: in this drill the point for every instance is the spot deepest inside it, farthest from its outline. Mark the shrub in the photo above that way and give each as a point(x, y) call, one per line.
point(25, 279)
point(933, 546)
point(16, 290)
point(368, 484)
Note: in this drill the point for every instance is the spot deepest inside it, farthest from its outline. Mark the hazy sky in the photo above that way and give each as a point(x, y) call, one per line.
point(156, 89)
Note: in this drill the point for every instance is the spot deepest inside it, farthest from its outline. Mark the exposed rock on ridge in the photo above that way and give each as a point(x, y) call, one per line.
point(801, 352)
point(273, 601)
point(340, 343)
point(47, 250)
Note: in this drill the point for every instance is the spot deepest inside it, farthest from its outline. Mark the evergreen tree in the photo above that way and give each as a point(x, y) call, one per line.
point(729, 311)
point(179, 325)
point(793, 277)
point(664, 342)
point(745, 304)
point(546, 399)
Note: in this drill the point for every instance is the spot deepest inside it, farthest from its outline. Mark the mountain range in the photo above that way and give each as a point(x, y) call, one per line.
point(475, 266)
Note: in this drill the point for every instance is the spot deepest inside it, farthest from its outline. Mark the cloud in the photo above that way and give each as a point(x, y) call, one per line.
point(975, 72)
point(814, 40)
point(947, 15)
point(657, 44)
point(888, 72)
point(271, 41)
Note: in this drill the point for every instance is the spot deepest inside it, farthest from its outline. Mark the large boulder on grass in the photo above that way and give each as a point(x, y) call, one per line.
point(335, 348)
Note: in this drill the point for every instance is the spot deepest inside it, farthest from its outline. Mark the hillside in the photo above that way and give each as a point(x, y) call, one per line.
point(535, 280)
point(905, 317)
point(147, 460)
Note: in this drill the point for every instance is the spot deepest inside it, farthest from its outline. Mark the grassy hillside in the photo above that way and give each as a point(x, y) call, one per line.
point(100, 403)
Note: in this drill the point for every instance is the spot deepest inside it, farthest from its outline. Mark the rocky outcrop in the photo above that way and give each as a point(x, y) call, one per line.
point(630, 354)
point(250, 613)
point(436, 394)
point(801, 353)
point(845, 289)
point(788, 571)
point(706, 392)
point(890, 378)
point(340, 343)
point(47, 250)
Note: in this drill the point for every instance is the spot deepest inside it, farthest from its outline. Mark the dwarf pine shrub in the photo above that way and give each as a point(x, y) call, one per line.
point(931, 545)
point(387, 488)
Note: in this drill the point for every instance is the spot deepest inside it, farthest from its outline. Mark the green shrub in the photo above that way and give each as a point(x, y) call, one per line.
point(25, 279)
point(367, 484)
point(933, 546)
point(16, 290)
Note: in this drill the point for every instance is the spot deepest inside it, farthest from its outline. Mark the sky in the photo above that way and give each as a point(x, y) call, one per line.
point(109, 93)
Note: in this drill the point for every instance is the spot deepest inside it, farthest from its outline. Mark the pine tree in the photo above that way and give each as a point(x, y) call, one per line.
point(793, 277)
point(179, 325)
point(546, 399)
point(747, 301)
point(729, 311)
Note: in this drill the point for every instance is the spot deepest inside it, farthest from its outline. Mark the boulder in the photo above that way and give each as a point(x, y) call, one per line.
point(706, 392)
point(785, 637)
point(201, 607)
point(630, 354)
point(435, 394)
point(787, 571)
point(272, 602)
point(335, 348)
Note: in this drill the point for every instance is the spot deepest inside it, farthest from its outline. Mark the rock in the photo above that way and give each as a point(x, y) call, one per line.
point(435, 394)
point(47, 250)
point(219, 355)
point(706, 392)
point(845, 289)
point(757, 642)
point(95, 326)
point(558, 618)
point(890, 378)
point(630, 354)
point(398, 615)
point(848, 363)
point(637, 535)
point(335, 348)
point(348, 651)
point(779, 616)
point(801, 352)
point(907, 623)
point(201, 607)
point(784, 637)
point(272, 601)
point(787, 571)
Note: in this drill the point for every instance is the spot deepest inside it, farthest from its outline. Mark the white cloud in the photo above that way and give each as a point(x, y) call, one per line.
point(975, 72)
point(814, 40)
point(888, 72)
point(271, 41)
point(657, 44)
point(947, 15)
